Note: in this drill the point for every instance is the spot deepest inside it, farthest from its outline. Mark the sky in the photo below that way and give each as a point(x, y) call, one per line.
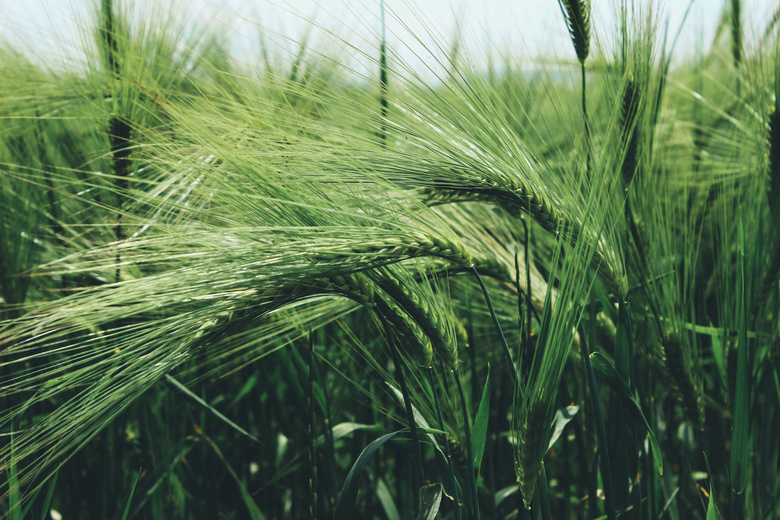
point(521, 27)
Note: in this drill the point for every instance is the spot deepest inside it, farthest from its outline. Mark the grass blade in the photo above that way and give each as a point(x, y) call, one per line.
point(712, 506)
point(741, 433)
point(562, 417)
point(606, 474)
point(246, 496)
point(14, 497)
point(130, 498)
point(345, 507)
point(430, 500)
point(176, 384)
point(481, 423)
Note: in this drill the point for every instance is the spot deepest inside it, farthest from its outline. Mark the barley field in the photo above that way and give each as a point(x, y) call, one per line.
point(326, 284)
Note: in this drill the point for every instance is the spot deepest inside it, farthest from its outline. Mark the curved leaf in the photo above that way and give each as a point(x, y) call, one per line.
point(345, 508)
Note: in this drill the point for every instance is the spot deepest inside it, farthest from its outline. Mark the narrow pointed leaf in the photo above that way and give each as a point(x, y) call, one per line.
point(345, 507)
point(740, 434)
point(249, 501)
point(173, 382)
point(14, 497)
point(712, 507)
point(481, 423)
point(386, 499)
point(130, 498)
point(562, 418)
point(48, 497)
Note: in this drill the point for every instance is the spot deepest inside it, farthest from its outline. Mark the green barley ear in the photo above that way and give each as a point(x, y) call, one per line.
point(532, 444)
point(412, 338)
point(628, 126)
point(577, 15)
point(736, 32)
point(108, 43)
point(422, 307)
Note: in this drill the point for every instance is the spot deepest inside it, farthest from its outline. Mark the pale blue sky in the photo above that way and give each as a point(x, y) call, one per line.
point(523, 27)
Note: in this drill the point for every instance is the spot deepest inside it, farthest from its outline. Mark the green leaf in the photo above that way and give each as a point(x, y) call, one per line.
point(741, 434)
point(418, 417)
point(345, 507)
point(130, 498)
point(562, 418)
point(48, 497)
point(247, 387)
point(505, 493)
point(605, 369)
point(186, 391)
point(481, 423)
point(346, 428)
point(14, 497)
point(712, 507)
point(430, 500)
point(386, 499)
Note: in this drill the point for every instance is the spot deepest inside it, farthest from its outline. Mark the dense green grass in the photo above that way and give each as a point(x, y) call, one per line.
point(293, 290)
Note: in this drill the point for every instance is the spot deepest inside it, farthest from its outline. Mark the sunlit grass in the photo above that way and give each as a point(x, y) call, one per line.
point(296, 289)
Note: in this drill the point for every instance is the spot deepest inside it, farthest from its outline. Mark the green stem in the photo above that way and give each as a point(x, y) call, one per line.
point(419, 473)
point(469, 450)
point(544, 498)
point(504, 344)
point(312, 437)
point(587, 125)
point(448, 453)
point(606, 475)
point(383, 82)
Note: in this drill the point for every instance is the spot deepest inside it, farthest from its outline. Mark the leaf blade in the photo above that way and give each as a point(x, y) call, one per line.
point(479, 437)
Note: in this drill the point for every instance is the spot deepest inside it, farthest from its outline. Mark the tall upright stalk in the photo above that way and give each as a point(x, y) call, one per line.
point(383, 103)
point(447, 452)
point(577, 16)
point(419, 476)
point(469, 450)
point(606, 473)
point(118, 127)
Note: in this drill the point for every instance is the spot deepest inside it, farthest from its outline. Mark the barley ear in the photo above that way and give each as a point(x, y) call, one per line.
point(411, 337)
point(577, 15)
point(628, 127)
point(736, 31)
point(532, 444)
point(437, 332)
